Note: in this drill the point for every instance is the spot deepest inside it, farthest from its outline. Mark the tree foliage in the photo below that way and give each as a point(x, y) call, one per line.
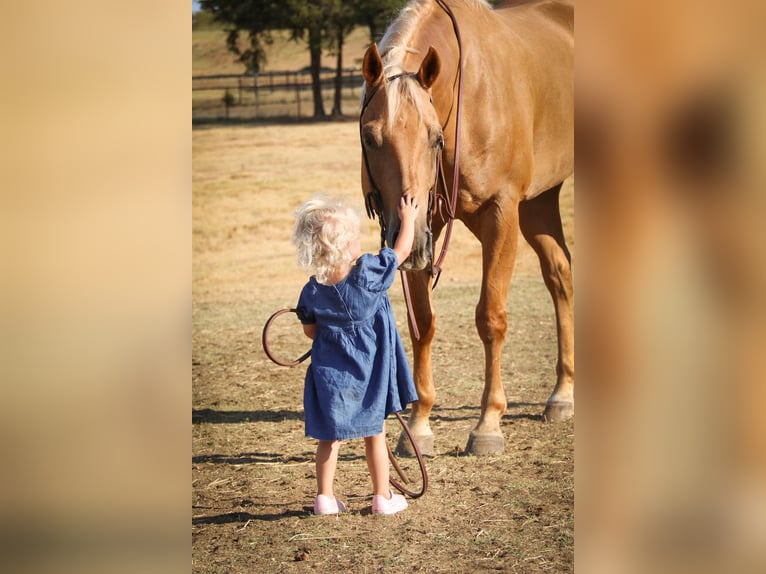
point(377, 15)
point(256, 18)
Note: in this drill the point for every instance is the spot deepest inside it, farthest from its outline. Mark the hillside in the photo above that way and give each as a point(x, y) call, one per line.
point(210, 55)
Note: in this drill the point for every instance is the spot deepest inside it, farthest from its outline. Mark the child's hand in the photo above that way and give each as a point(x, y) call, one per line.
point(408, 208)
point(408, 211)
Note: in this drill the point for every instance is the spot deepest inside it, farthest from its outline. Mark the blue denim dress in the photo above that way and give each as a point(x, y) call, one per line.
point(359, 372)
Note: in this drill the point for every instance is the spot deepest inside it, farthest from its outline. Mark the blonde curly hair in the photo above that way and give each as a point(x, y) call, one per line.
point(324, 229)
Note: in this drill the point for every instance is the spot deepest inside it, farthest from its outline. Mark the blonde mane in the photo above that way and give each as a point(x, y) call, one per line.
point(395, 45)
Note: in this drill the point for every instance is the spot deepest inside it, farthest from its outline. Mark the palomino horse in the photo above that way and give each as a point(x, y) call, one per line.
point(514, 67)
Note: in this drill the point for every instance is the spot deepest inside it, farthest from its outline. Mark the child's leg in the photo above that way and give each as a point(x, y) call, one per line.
point(327, 462)
point(384, 501)
point(377, 462)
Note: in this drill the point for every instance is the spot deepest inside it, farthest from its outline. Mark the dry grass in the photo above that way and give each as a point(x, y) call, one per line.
point(210, 55)
point(252, 468)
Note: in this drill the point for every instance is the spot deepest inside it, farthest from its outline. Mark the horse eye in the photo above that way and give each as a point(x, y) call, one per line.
point(371, 138)
point(439, 142)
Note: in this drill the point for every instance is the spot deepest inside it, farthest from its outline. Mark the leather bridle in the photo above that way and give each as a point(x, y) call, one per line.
point(437, 202)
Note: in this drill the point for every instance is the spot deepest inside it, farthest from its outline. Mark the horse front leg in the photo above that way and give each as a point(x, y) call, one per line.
point(419, 421)
point(498, 233)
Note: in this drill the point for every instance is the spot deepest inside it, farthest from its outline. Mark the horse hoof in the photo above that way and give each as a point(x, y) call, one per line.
point(485, 443)
point(425, 444)
point(557, 411)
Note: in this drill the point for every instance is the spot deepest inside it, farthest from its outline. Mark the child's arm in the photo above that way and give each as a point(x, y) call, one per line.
point(408, 211)
point(310, 330)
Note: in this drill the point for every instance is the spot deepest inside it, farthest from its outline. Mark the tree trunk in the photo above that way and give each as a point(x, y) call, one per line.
point(373, 29)
point(336, 109)
point(315, 47)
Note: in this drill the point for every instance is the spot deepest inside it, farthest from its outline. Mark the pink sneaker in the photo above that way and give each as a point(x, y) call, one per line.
point(324, 505)
point(383, 505)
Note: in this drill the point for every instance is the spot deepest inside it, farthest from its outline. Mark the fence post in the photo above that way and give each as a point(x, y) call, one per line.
point(255, 90)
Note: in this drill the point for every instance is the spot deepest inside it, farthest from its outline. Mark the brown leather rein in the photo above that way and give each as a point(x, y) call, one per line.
point(402, 474)
point(374, 206)
point(436, 201)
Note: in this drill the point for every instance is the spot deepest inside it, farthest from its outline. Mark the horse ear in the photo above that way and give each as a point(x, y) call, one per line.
point(429, 68)
point(372, 66)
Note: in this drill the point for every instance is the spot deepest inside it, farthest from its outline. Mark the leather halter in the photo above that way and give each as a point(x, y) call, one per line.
point(374, 200)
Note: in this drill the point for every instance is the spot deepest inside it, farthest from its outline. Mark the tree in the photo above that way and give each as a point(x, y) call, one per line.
point(342, 22)
point(255, 17)
point(321, 23)
point(310, 21)
point(306, 19)
point(345, 16)
point(377, 15)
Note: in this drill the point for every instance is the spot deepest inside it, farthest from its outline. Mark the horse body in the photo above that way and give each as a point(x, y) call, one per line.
point(516, 149)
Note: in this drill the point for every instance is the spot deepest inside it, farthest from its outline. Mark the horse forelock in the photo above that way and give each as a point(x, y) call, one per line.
point(394, 47)
point(396, 44)
point(399, 91)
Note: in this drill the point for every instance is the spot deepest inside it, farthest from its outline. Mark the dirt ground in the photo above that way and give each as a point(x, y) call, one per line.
point(252, 467)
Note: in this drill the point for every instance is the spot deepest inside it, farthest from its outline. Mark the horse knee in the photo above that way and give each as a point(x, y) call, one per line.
point(491, 325)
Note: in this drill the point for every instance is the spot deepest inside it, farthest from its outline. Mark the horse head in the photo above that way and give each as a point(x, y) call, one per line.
point(401, 145)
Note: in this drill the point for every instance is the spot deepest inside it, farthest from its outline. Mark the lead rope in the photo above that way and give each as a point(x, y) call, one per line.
point(410, 309)
point(402, 475)
point(436, 268)
point(452, 205)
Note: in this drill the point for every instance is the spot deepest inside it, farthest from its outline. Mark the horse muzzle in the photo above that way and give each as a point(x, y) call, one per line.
point(421, 255)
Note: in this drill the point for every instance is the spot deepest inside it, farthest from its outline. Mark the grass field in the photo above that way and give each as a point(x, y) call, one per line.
point(252, 468)
point(210, 55)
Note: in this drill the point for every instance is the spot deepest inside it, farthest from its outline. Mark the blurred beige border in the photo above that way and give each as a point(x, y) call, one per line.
point(96, 160)
point(671, 443)
point(95, 221)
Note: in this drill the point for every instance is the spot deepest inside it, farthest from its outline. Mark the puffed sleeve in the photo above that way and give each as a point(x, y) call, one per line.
point(379, 270)
point(305, 305)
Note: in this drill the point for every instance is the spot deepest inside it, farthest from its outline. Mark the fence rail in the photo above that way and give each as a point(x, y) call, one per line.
point(270, 94)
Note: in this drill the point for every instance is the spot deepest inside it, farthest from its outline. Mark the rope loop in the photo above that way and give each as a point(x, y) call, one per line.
point(402, 475)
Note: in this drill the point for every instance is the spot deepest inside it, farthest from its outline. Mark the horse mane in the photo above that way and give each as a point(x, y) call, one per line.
point(395, 45)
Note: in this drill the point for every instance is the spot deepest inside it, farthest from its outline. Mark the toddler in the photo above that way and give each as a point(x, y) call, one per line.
point(359, 372)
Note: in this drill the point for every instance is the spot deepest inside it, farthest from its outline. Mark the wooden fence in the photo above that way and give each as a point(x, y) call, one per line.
point(271, 94)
